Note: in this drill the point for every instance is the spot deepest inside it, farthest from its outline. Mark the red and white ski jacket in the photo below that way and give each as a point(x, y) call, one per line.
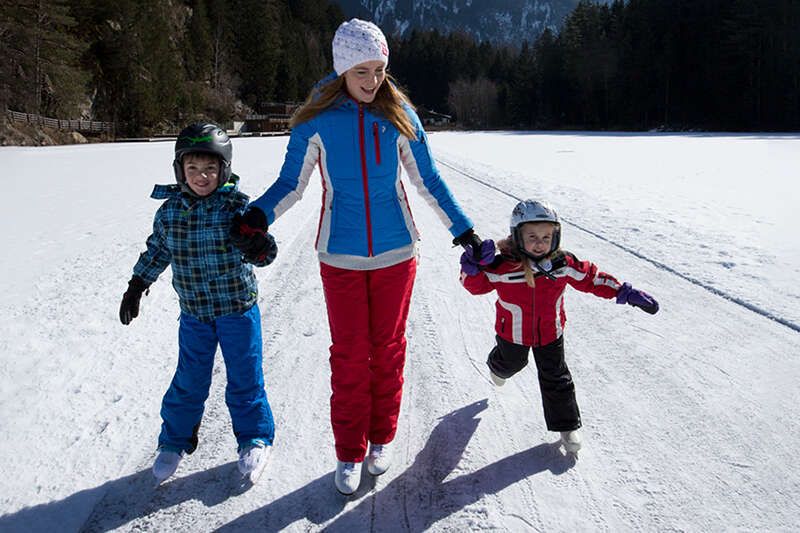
point(535, 316)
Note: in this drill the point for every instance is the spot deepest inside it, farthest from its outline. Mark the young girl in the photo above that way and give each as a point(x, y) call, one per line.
point(359, 130)
point(530, 275)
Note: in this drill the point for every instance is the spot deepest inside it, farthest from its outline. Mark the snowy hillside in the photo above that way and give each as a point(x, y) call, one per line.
point(501, 21)
point(690, 416)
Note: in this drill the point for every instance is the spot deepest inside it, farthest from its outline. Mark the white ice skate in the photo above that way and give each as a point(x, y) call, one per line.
point(166, 464)
point(253, 459)
point(497, 380)
point(379, 459)
point(571, 441)
point(348, 477)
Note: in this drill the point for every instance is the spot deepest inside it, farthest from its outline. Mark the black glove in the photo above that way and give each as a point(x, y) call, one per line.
point(263, 251)
point(470, 238)
point(249, 234)
point(129, 308)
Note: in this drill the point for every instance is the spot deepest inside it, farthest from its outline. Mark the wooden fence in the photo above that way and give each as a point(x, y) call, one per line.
point(87, 126)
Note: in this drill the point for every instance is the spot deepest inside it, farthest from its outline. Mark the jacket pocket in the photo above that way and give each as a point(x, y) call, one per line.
point(377, 138)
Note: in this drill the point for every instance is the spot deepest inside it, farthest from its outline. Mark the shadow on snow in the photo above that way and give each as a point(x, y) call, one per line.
point(418, 497)
point(414, 500)
point(123, 500)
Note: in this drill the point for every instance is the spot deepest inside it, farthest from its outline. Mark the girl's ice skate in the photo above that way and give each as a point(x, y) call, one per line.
point(497, 380)
point(571, 441)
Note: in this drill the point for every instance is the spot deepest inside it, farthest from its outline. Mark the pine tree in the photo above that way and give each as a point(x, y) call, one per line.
point(551, 86)
point(137, 70)
point(590, 60)
point(523, 89)
point(42, 58)
point(199, 50)
point(10, 57)
point(499, 70)
point(258, 49)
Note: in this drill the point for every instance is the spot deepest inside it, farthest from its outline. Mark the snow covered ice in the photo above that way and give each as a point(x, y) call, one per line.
point(690, 416)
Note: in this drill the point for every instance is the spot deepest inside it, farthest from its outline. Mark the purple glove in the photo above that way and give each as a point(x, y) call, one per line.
point(471, 261)
point(635, 297)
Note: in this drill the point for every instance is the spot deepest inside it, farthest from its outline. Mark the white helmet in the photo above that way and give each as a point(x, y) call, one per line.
point(534, 211)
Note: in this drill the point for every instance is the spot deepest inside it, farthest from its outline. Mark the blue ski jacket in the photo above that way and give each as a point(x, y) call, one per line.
point(365, 221)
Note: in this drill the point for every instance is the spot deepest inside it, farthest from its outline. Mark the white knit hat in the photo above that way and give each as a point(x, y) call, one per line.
point(356, 42)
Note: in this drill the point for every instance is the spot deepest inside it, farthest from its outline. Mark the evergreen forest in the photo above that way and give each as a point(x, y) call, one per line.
point(150, 66)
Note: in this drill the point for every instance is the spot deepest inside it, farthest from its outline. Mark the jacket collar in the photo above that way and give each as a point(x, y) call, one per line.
point(181, 190)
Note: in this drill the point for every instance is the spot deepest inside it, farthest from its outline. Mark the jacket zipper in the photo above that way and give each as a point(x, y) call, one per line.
point(538, 341)
point(377, 143)
point(362, 143)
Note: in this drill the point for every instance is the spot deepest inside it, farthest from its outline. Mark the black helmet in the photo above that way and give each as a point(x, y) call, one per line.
point(204, 138)
point(534, 211)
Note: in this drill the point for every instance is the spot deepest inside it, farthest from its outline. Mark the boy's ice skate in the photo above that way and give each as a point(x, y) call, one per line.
point(348, 477)
point(497, 380)
point(571, 441)
point(253, 459)
point(378, 459)
point(166, 464)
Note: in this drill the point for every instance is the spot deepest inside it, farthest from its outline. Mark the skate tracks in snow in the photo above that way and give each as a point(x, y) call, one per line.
point(679, 432)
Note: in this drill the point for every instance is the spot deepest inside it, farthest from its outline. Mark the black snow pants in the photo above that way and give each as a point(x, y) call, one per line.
point(555, 382)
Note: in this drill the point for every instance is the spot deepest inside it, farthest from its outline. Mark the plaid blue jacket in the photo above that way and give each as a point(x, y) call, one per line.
point(191, 234)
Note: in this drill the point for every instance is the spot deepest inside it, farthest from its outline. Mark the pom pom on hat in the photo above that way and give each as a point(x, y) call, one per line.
point(357, 41)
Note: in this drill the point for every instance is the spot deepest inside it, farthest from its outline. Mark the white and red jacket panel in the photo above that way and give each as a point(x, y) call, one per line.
point(535, 316)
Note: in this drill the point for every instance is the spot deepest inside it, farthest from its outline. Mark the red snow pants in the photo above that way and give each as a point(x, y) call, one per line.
point(367, 312)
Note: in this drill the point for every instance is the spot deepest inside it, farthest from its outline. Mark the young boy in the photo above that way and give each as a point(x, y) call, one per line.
point(530, 276)
point(217, 293)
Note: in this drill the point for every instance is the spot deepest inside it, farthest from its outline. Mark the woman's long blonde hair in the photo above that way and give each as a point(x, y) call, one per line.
point(388, 103)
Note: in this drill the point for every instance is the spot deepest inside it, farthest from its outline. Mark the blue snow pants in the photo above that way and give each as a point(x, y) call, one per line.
point(239, 336)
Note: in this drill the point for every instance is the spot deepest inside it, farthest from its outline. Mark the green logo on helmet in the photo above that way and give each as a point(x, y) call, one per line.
point(195, 140)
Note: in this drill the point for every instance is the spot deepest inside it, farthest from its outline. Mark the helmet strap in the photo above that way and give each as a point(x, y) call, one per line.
point(543, 271)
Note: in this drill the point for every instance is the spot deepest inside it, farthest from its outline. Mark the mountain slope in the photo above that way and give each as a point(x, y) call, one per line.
point(504, 21)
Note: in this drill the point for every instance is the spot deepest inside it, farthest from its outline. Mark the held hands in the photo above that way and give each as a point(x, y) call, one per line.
point(635, 297)
point(129, 308)
point(476, 254)
point(470, 265)
point(469, 238)
point(249, 234)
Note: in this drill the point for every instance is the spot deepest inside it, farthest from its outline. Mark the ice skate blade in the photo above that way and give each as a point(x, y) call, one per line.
point(256, 474)
point(376, 473)
point(497, 380)
point(253, 477)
